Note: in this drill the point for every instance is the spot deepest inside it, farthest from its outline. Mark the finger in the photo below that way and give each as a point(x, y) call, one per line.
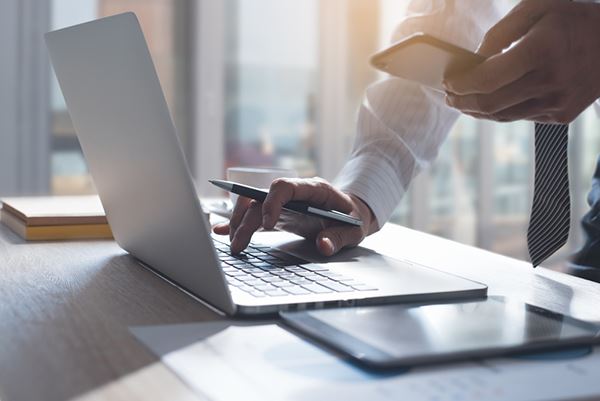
point(316, 192)
point(542, 118)
point(529, 110)
point(496, 71)
point(512, 27)
point(241, 205)
point(333, 239)
point(302, 225)
point(221, 228)
point(481, 116)
point(250, 223)
point(525, 88)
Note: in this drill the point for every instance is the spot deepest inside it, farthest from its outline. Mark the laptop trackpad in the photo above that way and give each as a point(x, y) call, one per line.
point(384, 272)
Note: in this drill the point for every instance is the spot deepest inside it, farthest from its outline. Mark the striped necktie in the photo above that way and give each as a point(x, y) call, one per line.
point(551, 209)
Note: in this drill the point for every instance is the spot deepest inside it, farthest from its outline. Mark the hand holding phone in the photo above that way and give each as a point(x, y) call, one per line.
point(425, 59)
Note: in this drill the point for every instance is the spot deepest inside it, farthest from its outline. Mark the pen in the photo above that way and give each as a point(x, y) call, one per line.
point(295, 206)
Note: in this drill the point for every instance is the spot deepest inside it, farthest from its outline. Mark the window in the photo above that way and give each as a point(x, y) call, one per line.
point(161, 22)
point(278, 82)
point(271, 84)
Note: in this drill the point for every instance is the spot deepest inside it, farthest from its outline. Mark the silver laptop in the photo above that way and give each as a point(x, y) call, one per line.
point(121, 118)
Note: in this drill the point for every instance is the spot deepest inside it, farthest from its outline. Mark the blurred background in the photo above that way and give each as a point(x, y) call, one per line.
point(272, 83)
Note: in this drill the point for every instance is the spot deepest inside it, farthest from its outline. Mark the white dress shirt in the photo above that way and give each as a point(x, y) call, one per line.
point(401, 125)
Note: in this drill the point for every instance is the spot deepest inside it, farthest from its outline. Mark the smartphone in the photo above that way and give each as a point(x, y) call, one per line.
point(425, 59)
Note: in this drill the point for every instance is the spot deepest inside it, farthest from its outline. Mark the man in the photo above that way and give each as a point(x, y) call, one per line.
point(544, 59)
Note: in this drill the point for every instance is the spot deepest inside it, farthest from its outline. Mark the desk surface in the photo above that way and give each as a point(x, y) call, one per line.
point(65, 309)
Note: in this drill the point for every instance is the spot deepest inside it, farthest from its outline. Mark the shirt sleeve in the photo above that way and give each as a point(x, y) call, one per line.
point(401, 125)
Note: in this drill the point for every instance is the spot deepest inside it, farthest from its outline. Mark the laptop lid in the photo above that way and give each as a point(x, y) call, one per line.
point(123, 124)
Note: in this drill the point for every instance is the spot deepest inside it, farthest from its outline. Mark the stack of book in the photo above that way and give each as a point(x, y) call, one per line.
point(55, 217)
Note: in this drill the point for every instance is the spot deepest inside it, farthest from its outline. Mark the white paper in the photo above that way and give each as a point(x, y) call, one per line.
point(259, 363)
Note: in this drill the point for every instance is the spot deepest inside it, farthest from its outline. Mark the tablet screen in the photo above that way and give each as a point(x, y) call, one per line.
point(405, 331)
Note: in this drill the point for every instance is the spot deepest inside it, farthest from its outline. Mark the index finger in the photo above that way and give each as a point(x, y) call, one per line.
point(496, 71)
point(315, 192)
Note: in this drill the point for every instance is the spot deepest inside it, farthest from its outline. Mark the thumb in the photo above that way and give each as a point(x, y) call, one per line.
point(512, 27)
point(333, 239)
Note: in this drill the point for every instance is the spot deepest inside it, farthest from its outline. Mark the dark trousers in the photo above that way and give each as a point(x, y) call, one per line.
point(589, 254)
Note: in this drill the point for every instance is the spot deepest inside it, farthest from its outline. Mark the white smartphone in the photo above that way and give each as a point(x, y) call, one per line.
point(425, 59)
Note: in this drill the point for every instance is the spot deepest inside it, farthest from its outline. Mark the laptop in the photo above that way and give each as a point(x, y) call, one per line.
point(127, 136)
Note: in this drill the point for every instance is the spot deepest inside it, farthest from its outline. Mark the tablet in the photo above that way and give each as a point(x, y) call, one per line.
point(395, 336)
point(425, 59)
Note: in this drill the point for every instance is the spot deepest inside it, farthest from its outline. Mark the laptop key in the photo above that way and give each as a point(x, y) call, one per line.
point(316, 277)
point(258, 294)
point(254, 251)
point(254, 283)
point(337, 287)
point(236, 273)
point(284, 284)
point(295, 269)
point(245, 288)
point(315, 268)
point(332, 276)
point(297, 290)
point(267, 266)
point(234, 282)
point(272, 279)
point(345, 280)
point(264, 287)
point(316, 288)
point(238, 262)
point(300, 281)
point(304, 273)
point(284, 273)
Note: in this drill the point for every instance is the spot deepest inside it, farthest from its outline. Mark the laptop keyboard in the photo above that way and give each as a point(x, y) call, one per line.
point(266, 272)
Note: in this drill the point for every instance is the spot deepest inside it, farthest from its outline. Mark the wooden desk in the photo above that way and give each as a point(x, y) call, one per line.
point(65, 309)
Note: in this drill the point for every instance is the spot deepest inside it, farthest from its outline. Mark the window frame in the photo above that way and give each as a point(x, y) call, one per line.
point(208, 93)
point(25, 98)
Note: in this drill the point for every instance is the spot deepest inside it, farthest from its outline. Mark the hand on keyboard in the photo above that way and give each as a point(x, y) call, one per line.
point(265, 272)
point(249, 215)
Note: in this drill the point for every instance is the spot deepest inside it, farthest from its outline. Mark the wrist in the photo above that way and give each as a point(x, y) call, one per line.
point(365, 214)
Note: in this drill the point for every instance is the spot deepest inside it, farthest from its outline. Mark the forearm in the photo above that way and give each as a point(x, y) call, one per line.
point(402, 125)
point(394, 143)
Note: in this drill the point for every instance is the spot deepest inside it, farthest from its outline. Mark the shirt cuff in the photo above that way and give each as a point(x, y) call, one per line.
point(374, 182)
